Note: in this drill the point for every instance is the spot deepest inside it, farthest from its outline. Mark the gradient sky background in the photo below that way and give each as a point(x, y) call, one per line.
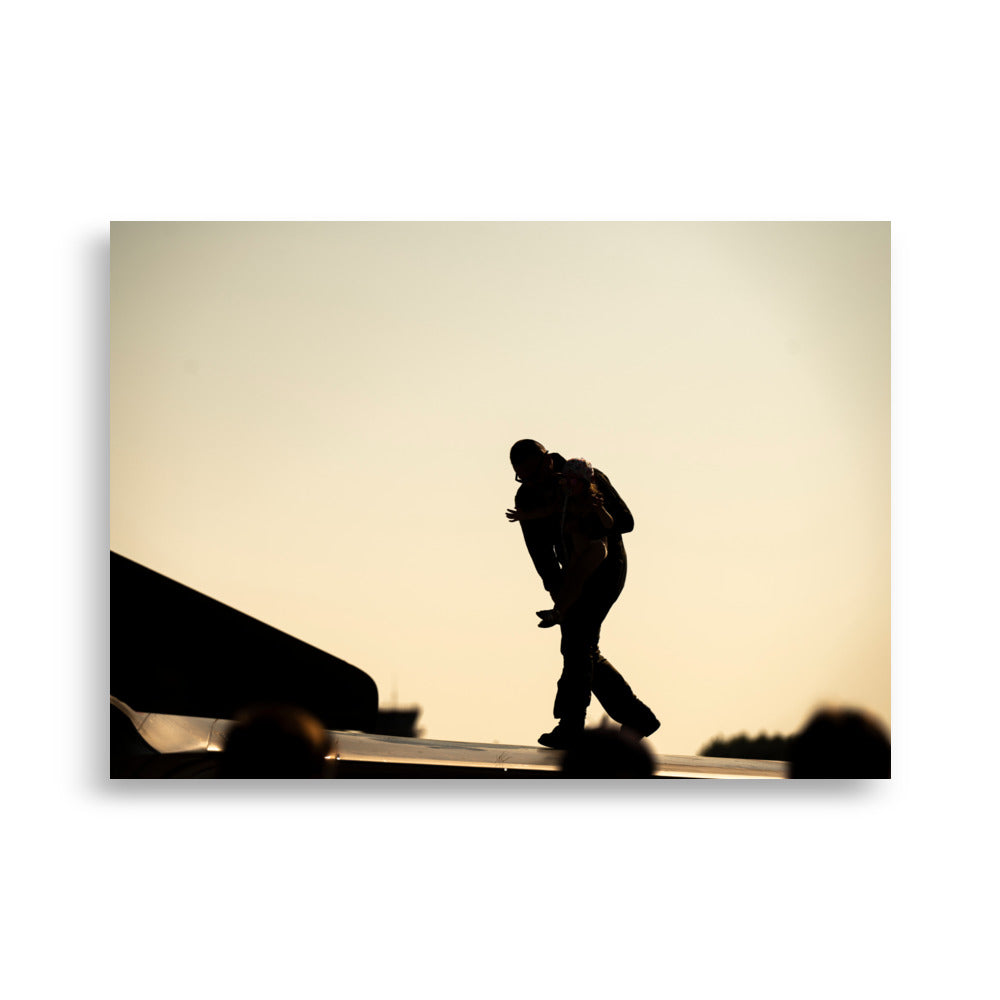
point(311, 422)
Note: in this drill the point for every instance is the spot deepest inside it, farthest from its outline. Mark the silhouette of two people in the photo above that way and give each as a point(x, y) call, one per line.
point(572, 520)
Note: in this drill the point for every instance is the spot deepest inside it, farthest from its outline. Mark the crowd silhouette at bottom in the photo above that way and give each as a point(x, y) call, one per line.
point(283, 741)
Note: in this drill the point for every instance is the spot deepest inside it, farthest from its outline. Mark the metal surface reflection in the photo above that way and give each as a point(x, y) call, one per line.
point(185, 734)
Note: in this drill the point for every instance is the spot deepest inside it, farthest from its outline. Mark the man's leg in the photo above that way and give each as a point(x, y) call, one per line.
point(586, 670)
point(608, 685)
point(618, 700)
point(573, 688)
point(579, 643)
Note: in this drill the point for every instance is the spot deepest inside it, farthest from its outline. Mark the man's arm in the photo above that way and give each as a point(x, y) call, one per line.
point(538, 539)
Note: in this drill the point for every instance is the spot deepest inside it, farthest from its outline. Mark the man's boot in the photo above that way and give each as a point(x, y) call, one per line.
point(562, 736)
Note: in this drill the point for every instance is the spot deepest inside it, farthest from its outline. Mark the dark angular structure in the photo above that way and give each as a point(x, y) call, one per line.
point(176, 651)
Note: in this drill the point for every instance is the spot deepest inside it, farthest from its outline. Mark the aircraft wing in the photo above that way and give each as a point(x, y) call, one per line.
point(177, 734)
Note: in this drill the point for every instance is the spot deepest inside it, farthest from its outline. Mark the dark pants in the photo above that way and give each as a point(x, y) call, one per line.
point(585, 670)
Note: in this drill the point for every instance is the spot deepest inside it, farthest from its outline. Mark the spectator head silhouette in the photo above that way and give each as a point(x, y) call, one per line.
point(840, 743)
point(275, 741)
point(605, 752)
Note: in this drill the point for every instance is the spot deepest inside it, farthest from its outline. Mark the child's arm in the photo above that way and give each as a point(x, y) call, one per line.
point(593, 502)
point(607, 521)
point(623, 521)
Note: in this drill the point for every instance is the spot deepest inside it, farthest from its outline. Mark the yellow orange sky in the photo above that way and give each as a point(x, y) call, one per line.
point(310, 422)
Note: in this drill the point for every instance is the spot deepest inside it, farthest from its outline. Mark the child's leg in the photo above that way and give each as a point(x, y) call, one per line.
point(581, 567)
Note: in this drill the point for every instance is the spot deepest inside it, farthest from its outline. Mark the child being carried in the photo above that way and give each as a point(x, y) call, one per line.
point(585, 527)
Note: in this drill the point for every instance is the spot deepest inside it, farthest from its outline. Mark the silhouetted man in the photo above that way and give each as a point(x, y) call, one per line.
point(585, 670)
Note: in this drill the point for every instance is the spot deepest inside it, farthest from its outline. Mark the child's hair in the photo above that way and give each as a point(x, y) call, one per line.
point(579, 468)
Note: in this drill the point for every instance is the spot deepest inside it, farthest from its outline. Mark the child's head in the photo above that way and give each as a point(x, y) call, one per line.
point(579, 468)
point(578, 475)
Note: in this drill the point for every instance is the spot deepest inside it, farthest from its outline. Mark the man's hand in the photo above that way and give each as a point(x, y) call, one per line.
point(514, 515)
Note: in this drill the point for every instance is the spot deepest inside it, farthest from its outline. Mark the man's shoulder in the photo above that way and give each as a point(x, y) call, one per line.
point(531, 495)
point(524, 496)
